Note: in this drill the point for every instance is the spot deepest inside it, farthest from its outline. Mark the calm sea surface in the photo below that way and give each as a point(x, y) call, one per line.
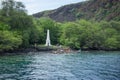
point(76, 66)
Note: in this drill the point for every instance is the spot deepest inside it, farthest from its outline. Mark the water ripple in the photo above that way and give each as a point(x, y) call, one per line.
point(46, 66)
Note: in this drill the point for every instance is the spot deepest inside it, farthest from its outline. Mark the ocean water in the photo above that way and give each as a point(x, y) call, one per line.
point(87, 65)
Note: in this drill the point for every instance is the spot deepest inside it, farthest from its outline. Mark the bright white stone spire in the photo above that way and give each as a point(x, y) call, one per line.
point(48, 39)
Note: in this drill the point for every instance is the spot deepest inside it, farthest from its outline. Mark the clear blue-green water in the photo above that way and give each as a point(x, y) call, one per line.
point(46, 66)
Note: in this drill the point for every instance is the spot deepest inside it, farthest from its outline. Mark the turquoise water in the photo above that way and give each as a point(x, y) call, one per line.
point(46, 66)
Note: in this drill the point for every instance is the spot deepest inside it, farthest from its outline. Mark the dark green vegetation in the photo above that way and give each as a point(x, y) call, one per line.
point(90, 10)
point(16, 26)
point(91, 35)
point(19, 30)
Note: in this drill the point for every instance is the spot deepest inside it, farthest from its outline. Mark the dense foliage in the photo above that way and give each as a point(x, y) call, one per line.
point(8, 40)
point(19, 30)
point(91, 35)
point(16, 26)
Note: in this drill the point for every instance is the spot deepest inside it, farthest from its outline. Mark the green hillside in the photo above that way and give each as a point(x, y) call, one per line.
point(89, 10)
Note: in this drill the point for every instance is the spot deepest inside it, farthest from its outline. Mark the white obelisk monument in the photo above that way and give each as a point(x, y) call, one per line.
point(48, 39)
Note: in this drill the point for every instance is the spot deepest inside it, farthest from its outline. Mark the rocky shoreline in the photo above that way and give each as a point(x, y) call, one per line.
point(48, 49)
point(27, 50)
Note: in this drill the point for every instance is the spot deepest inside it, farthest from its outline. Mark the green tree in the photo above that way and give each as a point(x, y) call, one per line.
point(8, 40)
point(112, 43)
point(70, 36)
point(11, 7)
point(14, 14)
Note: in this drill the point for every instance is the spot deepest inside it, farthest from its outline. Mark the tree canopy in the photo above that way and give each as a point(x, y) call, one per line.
point(19, 30)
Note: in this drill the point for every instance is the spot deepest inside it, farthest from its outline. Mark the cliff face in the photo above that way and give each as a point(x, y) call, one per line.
point(90, 10)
